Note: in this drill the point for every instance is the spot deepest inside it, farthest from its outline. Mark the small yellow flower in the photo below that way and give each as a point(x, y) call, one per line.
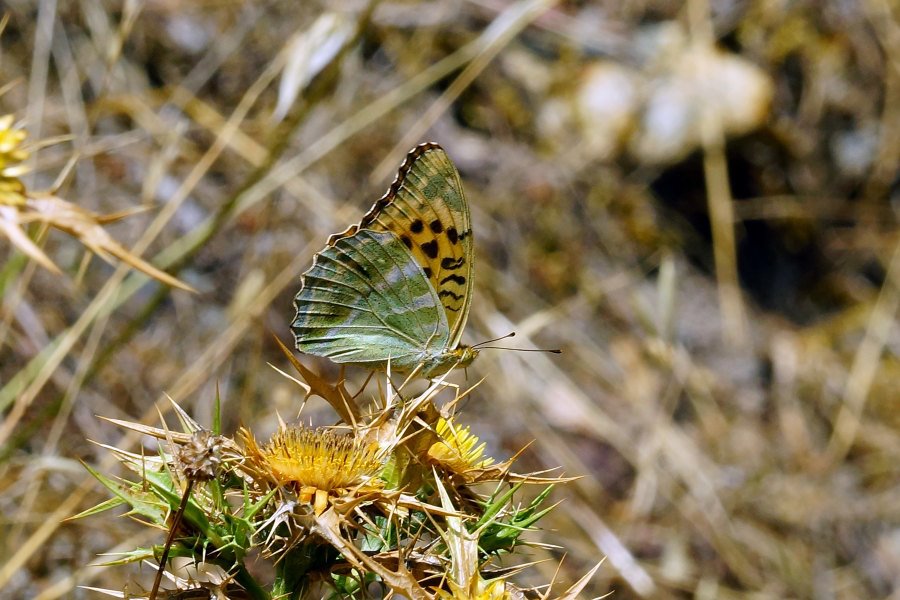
point(485, 590)
point(12, 190)
point(317, 462)
point(458, 450)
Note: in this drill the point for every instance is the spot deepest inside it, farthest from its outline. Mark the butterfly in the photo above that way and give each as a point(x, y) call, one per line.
point(396, 287)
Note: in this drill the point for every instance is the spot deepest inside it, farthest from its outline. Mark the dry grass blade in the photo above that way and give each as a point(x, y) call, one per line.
point(10, 226)
point(155, 432)
point(573, 592)
point(86, 227)
point(866, 362)
point(502, 31)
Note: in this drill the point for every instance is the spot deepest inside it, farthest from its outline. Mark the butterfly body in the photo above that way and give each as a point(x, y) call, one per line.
point(395, 288)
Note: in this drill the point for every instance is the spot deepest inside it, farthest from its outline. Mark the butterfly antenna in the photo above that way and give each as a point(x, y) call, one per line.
point(482, 346)
point(497, 339)
point(550, 350)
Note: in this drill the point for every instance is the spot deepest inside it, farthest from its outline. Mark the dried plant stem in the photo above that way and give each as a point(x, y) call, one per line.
point(866, 363)
point(718, 192)
point(721, 214)
point(176, 521)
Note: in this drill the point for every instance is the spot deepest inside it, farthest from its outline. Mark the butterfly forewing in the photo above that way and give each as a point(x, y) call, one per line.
point(363, 301)
point(426, 209)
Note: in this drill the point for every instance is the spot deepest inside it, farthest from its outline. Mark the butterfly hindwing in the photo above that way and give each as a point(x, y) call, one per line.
point(426, 209)
point(365, 301)
point(396, 288)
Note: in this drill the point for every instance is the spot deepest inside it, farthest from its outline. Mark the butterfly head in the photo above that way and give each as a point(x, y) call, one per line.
point(462, 356)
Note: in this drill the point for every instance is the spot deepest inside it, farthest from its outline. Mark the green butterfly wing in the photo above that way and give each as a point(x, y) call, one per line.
point(426, 208)
point(367, 301)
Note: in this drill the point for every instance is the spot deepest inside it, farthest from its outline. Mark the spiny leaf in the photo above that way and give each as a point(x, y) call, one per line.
point(144, 503)
point(193, 514)
point(136, 555)
point(503, 535)
point(103, 506)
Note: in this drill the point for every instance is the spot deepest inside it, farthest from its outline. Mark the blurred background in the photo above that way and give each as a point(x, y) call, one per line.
point(696, 201)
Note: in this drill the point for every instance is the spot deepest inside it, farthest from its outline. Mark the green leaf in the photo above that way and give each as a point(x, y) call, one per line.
point(142, 502)
point(136, 555)
point(194, 514)
point(495, 505)
point(103, 506)
point(251, 509)
point(217, 414)
point(504, 535)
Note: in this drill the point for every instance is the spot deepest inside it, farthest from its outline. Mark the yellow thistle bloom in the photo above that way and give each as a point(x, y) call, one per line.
point(458, 450)
point(486, 590)
point(12, 190)
point(317, 462)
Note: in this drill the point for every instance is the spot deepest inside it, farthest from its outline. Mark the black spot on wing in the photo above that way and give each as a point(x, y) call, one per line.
point(427, 272)
point(452, 235)
point(436, 226)
point(417, 226)
point(430, 249)
point(406, 241)
point(454, 278)
point(448, 293)
point(451, 264)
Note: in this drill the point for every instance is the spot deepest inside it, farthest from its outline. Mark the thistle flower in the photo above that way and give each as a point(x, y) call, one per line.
point(332, 512)
point(459, 450)
point(495, 589)
point(317, 462)
point(12, 190)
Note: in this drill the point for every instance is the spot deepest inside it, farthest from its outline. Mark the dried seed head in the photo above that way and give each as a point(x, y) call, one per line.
point(201, 458)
